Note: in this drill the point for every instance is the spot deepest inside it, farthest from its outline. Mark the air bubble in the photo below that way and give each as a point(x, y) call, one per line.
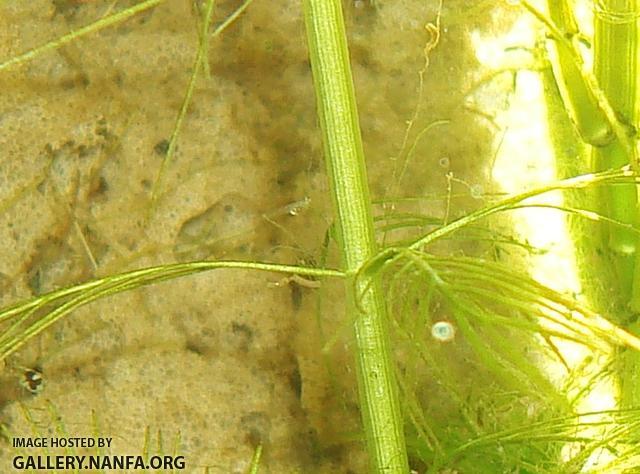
point(443, 331)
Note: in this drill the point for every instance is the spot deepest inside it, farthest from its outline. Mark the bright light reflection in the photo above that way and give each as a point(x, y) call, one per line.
point(525, 160)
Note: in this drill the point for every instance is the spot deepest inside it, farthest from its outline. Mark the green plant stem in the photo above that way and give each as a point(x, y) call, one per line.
point(566, 41)
point(198, 64)
point(255, 460)
point(617, 41)
point(616, 68)
point(75, 34)
point(614, 79)
point(380, 407)
point(588, 118)
point(27, 322)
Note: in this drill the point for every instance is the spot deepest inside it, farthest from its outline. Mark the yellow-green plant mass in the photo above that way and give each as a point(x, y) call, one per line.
point(321, 236)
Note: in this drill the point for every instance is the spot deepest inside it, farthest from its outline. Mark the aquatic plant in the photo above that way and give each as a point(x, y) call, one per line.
point(454, 348)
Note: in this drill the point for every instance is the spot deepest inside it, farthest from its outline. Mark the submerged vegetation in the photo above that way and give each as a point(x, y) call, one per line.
point(466, 361)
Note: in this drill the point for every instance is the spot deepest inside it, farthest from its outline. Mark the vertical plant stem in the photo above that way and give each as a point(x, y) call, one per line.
point(586, 87)
point(587, 96)
point(344, 157)
point(581, 104)
point(198, 64)
point(615, 64)
point(616, 67)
